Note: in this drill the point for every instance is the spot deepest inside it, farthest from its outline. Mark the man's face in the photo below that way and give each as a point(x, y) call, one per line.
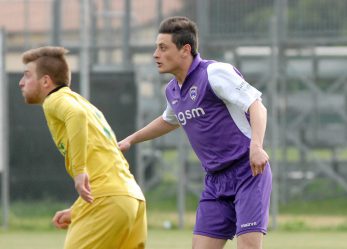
point(30, 85)
point(166, 55)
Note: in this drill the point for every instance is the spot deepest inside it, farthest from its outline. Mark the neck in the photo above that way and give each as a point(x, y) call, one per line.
point(54, 89)
point(182, 72)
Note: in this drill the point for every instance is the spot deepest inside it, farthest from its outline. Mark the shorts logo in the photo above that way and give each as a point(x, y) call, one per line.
point(193, 92)
point(251, 224)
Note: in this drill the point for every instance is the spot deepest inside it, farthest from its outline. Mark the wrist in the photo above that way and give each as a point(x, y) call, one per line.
point(255, 144)
point(78, 171)
point(131, 139)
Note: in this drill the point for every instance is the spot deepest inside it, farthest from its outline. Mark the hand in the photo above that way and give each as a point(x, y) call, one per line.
point(258, 159)
point(62, 219)
point(124, 145)
point(83, 187)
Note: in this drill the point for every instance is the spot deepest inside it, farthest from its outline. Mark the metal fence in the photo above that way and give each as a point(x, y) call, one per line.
point(58, 21)
point(4, 123)
point(295, 51)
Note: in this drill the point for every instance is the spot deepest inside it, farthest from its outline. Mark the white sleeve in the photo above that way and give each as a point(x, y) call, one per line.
point(169, 115)
point(229, 86)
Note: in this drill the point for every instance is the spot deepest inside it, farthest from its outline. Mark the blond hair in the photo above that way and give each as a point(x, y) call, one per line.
point(49, 61)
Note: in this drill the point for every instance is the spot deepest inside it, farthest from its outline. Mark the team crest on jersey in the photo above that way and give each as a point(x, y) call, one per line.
point(193, 92)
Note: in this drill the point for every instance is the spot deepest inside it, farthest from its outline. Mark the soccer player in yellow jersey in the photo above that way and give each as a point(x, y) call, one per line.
point(110, 212)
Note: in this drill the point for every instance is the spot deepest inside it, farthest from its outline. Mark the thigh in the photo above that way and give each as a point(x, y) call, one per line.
point(104, 224)
point(215, 218)
point(252, 201)
point(203, 242)
point(138, 234)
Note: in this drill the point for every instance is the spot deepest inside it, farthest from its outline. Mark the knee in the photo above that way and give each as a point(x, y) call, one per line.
point(250, 241)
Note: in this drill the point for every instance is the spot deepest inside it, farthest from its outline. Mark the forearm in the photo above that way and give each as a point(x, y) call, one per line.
point(156, 128)
point(77, 131)
point(258, 119)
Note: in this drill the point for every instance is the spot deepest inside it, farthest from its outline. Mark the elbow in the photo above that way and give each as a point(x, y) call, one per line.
point(261, 106)
point(257, 106)
point(264, 109)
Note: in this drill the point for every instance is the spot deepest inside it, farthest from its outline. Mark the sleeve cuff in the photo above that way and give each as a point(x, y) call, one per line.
point(78, 170)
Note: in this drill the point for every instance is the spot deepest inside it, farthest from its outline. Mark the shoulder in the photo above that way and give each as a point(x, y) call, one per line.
point(204, 64)
point(171, 83)
point(220, 68)
point(63, 99)
point(56, 97)
point(220, 73)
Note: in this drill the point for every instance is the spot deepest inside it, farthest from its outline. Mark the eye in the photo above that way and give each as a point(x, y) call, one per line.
point(162, 48)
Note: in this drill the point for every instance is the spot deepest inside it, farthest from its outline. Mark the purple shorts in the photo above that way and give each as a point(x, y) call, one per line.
point(234, 202)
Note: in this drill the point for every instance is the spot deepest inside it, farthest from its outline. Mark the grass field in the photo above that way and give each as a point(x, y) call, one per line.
point(180, 239)
point(301, 225)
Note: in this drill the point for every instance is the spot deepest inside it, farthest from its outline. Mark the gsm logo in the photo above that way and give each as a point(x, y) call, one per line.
point(189, 114)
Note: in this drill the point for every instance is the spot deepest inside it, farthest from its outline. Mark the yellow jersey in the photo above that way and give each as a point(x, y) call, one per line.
point(88, 144)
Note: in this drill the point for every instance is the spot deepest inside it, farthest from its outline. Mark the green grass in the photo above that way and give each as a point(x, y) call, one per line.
point(318, 225)
point(179, 239)
point(328, 214)
point(34, 215)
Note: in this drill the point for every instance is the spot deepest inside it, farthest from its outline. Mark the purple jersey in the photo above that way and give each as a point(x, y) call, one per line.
point(212, 108)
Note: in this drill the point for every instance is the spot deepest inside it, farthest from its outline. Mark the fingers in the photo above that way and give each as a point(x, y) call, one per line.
point(62, 219)
point(258, 161)
point(124, 145)
point(82, 186)
point(55, 220)
point(255, 171)
point(87, 195)
point(258, 168)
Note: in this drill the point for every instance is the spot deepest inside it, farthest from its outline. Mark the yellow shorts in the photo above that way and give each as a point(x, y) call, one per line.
point(112, 222)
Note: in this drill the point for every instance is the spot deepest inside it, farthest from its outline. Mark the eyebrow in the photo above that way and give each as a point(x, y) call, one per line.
point(161, 44)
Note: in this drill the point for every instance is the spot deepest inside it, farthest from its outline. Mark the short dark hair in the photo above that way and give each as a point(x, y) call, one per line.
point(183, 31)
point(51, 61)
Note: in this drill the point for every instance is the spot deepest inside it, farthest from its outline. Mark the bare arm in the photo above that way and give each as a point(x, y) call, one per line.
point(258, 119)
point(156, 128)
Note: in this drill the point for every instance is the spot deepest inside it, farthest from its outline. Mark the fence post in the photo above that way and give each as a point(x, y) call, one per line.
point(4, 169)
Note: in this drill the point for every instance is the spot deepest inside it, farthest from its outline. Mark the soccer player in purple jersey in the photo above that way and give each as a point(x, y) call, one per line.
point(225, 122)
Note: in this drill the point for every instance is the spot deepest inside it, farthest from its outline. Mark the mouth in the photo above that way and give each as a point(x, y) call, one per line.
point(159, 64)
point(23, 93)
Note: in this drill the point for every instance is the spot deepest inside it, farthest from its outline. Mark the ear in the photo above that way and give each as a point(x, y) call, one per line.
point(46, 80)
point(186, 50)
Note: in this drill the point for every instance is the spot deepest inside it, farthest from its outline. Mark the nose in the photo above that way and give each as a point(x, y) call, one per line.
point(21, 82)
point(155, 54)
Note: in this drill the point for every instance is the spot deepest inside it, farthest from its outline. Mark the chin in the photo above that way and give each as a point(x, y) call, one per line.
point(161, 70)
point(28, 101)
point(31, 101)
